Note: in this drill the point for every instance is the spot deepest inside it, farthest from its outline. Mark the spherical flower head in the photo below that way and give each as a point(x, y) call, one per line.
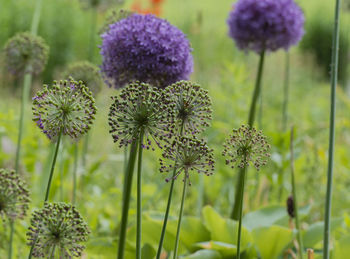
point(141, 107)
point(86, 72)
point(193, 106)
point(186, 154)
point(26, 53)
point(66, 107)
point(246, 146)
point(147, 49)
point(260, 25)
point(14, 196)
point(290, 206)
point(58, 230)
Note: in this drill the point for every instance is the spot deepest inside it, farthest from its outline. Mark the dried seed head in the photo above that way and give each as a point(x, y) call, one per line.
point(187, 154)
point(141, 106)
point(290, 206)
point(57, 229)
point(86, 72)
point(14, 196)
point(246, 146)
point(67, 106)
point(193, 106)
point(26, 53)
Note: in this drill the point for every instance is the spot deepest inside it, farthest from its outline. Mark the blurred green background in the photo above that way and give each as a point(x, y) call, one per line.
point(229, 76)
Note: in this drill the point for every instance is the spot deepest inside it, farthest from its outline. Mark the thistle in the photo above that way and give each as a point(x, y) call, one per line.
point(245, 147)
point(193, 106)
point(189, 154)
point(86, 72)
point(57, 230)
point(14, 196)
point(139, 116)
point(66, 107)
point(26, 53)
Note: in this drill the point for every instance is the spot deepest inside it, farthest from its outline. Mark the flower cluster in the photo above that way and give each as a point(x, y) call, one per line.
point(147, 49)
point(26, 53)
point(193, 106)
point(14, 195)
point(260, 25)
point(187, 154)
point(59, 229)
point(290, 206)
point(141, 107)
point(113, 17)
point(66, 107)
point(86, 72)
point(246, 146)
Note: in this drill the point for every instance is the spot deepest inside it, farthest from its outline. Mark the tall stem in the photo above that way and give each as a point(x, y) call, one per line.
point(139, 198)
point(180, 215)
point(11, 238)
point(296, 208)
point(252, 111)
point(53, 167)
point(126, 200)
point(240, 214)
point(162, 235)
point(285, 93)
point(334, 78)
point(75, 171)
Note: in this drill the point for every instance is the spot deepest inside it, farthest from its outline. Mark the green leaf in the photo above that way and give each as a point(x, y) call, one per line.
point(272, 240)
point(204, 254)
point(148, 252)
point(342, 248)
point(225, 249)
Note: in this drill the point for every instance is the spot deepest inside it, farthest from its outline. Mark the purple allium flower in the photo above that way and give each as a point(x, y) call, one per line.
point(193, 106)
point(66, 106)
point(141, 107)
point(14, 195)
point(147, 49)
point(26, 53)
point(188, 154)
point(246, 146)
point(266, 24)
point(57, 231)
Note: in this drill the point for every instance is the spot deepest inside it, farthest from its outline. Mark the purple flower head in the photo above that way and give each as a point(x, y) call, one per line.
point(147, 49)
point(266, 24)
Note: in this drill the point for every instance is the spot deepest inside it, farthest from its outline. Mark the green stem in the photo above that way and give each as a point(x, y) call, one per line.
point(252, 111)
point(75, 171)
point(180, 215)
point(126, 200)
point(334, 78)
point(301, 248)
point(12, 227)
point(53, 167)
point(139, 199)
point(285, 94)
point(36, 17)
point(241, 214)
point(162, 235)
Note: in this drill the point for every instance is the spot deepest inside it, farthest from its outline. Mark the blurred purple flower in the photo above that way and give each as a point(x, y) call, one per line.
point(266, 24)
point(147, 49)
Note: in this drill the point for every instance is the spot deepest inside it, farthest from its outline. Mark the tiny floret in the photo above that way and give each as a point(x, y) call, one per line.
point(57, 231)
point(145, 48)
point(66, 107)
point(193, 106)
point(186, 154)
point(260, 25)
point(246, 146)
point(141, 107)
point(14, 196)
point(86, 72)
point(26, 53)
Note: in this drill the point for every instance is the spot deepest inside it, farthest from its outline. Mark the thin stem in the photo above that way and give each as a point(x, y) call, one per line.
point(296, 209)
point(139, 198)
point(241, 214)
point(162, 235)
point(252, 111)
point(75, 171)
point(334, 79)
point(12, 226)
point(53, 167)
point(36, 17)
point(126, 200)
point(285, 93)
point(180, 215)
